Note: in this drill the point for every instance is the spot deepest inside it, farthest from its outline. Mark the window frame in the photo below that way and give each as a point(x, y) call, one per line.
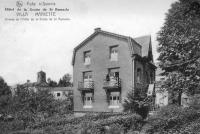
point(58, 94)
point(88, 100)
point(114, 100)
point(139, 75)
point(116, 51)
point(85, 54)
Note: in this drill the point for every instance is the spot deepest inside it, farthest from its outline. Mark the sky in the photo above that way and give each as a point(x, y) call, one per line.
point(27, 47)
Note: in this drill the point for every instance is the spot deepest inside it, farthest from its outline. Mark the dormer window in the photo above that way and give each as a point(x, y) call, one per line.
point(87, 57)
point(114, 53)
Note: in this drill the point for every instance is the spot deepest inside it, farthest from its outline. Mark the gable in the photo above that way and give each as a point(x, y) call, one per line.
point(145, 42)
point(92, 36)
point(140, 45)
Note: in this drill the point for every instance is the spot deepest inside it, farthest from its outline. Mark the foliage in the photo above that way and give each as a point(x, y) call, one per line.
point(30, 106)
point(6, 126)
point(65, 81)
point(33, 102)
point(122, 123)
point(136, 104)
point(179, 47)
point(52, 83)
point(5, 95)
point(172, 119)
point(195, 102)
point(90, 123)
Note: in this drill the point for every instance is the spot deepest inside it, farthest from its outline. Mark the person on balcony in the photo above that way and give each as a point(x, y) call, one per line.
point(107, 77)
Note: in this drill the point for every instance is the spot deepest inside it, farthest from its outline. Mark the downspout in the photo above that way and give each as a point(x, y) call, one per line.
point(132, 73)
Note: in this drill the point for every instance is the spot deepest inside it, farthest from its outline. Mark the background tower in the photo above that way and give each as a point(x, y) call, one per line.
point(41, 77)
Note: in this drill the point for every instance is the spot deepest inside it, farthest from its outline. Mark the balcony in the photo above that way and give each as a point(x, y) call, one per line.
point(112, 84)
point(86, 86)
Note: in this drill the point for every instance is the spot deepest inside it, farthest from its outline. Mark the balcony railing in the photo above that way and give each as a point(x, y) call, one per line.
point(86, 85)
point(112, 84)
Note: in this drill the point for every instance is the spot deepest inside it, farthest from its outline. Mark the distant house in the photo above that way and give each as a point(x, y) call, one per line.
point(106, 66)
point(60, 93)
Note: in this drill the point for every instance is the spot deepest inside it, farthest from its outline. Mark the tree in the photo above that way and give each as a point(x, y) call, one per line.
point(179, 48)
point(135, 103)
point(65, 81)
point(52, 83)
point(5, 95)
point(28, 105)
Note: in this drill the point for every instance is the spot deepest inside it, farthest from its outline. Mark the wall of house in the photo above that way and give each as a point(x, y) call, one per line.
point(100, 63)
point(62, 94)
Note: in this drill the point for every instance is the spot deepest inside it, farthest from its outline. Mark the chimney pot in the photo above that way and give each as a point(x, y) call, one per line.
point(97, 29)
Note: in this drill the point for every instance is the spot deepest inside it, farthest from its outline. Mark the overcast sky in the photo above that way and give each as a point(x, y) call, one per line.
point(28, 47)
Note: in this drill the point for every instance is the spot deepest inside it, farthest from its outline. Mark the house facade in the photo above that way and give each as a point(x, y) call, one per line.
point(106, 66)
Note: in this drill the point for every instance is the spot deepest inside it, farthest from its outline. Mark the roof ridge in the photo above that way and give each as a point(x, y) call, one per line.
point(116, 34)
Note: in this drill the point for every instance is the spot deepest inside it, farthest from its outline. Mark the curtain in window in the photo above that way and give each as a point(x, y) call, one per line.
point(88, 99)
point(87, 58)
point(139, 75)
point(87, 79)
point(114, 54)
point(114, 98)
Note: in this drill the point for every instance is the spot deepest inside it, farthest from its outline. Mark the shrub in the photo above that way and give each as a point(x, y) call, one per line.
point(72, 120)
point(123, 123)
point(90, 124)
point(136, 104)
point(7, 126)
point(172, 118)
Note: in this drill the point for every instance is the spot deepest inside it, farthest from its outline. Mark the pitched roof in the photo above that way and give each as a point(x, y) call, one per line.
point(144, 41)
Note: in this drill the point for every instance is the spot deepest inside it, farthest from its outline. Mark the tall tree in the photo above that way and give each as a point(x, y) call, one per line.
point(5, 95)
point(179, 47)
point(65, 81)
point(52, 83)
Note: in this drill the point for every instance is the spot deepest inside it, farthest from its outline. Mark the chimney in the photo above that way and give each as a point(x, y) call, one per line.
point(97, 29)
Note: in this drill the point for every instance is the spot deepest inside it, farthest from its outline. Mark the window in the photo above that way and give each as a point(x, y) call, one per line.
point(139, 75)
point(114, 53)
point(114, 99)
point(58, 94)
point(113, 76)
point(87, 59)
point(151, 78)
point(88, 100)
point(87, 79)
